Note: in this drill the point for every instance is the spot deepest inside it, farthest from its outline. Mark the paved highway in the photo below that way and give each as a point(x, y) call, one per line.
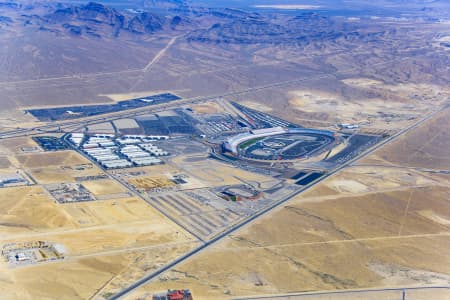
point(265, 211)
point(55, 126)
point(350, 293)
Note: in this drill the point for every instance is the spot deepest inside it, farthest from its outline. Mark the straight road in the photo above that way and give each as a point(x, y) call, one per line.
point(160, 54)
point(349, 293)
point(55, 126)
point(265, 211)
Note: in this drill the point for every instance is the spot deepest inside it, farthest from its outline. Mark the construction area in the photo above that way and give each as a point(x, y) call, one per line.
point(69, 192)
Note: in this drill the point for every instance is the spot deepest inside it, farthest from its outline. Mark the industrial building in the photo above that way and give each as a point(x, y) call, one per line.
point(154, 150)
point(143, 161)
point(127, 151)
point(115, 164)
point(146, 138)
point(76, 138)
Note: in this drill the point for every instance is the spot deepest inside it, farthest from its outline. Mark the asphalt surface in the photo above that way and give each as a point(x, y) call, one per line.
point(81, 123)
point(344, 292)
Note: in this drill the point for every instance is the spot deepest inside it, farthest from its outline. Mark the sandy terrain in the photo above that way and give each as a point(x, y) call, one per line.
point(86, 277)
point(47, 159)
point(369, 102)
point(14, 146)
point(214, 173)
point(425, 147)
point(104, 187)
point(148, 183)
point(54, 167)
point(412, 294)
point(109, 243)
point(115, 211)
point(133, 95)
point(101, 128)
point(106, 241)
point(207, 108)
point(30, 209)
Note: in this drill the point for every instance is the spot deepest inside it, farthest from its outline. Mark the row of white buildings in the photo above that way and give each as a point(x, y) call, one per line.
point(127, 151)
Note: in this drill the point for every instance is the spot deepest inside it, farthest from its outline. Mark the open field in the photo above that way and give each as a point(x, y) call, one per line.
point(105, 241)
point(414, 293)
point(214, 173)
point(207, 108)
point(14, 146)
point(26, 210)
point(148, 183)
point(348, 242)
point(427, 147)
point(85, 277)
point(104, 187)
point(109, 243)
point(393, 107)
point(54, 167)
point(117, 211)
point(49, 159)
point(364, 227)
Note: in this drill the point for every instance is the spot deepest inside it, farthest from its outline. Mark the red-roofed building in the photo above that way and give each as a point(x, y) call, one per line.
point(174, 295)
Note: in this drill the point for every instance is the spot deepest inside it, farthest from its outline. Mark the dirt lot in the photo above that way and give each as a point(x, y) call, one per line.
point(85, 277)
point(370, 104)
point(425, 147)
point(25, 210)
point(14, 146)
point(148, 183)
point(207, 108)
point(54, 167)
point(214, 173)
point(48, 159)
point(104, 187)
point(115, 211)
point(109, 243)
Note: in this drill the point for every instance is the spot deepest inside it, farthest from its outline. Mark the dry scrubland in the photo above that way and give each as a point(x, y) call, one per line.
point(335, 81)
point(109, 242)
point(105, 240)
point(426, 147)
point(380, 223)
point(87, 277)
point(121, 238)
point(389, 106)
point(368, 226)
point(56, 167)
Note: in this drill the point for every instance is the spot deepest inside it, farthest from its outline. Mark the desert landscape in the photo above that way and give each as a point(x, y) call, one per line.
point(224, 150)
point(361, 228)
